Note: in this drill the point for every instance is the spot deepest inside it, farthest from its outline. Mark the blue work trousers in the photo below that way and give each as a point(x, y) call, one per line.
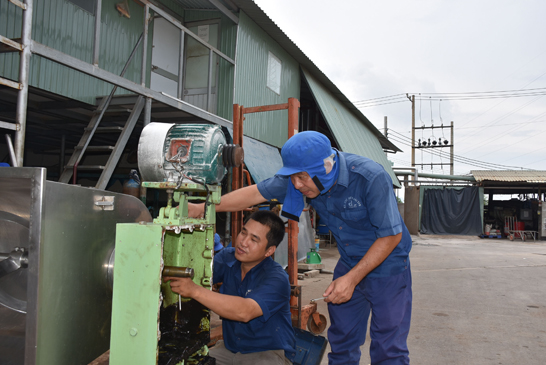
point(389, 299)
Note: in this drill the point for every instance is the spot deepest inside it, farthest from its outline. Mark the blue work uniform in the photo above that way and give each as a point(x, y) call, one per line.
point(267, 283)
point(360, 208)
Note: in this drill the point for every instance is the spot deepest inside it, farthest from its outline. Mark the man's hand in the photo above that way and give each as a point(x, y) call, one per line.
point(196, 210)
point(340, 290)
point(183, 286)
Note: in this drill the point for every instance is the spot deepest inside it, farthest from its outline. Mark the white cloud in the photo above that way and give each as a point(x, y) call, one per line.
point(375, 49)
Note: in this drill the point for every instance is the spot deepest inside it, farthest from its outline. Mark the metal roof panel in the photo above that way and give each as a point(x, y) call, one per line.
point(530, 176)
point(351, 134)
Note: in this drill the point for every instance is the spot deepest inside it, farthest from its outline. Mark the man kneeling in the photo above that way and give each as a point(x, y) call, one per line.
point(254, 299)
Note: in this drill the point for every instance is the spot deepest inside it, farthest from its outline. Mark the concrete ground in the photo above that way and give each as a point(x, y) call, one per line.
point(476, 301)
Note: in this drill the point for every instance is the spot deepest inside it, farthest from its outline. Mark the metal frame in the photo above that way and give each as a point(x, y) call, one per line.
point(182, 80)
point(29, 46)
point(239, 111)
point(37, 178)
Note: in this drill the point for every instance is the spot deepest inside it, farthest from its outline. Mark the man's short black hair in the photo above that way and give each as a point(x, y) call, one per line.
point(275, 224)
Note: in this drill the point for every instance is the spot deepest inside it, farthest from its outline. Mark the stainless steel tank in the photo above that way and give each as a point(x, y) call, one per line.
point(55, 308)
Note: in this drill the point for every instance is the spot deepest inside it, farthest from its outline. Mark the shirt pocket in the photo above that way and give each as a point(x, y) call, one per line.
point(355, 217)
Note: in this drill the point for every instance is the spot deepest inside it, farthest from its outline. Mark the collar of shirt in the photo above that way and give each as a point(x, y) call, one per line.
point(233, 262)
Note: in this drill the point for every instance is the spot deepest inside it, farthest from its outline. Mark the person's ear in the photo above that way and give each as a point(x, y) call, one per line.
point(270, 251)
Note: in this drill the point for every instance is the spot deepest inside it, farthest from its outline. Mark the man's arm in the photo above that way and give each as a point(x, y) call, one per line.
point(341, 289)
point(226, 306)
point(236, 200)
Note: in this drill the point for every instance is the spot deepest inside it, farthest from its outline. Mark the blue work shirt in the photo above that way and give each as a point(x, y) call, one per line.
point(360, 208)
point(267, 283)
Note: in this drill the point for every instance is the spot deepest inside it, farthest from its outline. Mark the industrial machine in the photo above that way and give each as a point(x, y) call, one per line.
point(151, 324)
point(56, 261)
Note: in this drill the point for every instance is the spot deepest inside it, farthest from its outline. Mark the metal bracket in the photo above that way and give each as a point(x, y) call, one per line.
point(104, 202)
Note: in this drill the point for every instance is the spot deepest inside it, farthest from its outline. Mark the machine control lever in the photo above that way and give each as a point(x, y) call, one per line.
point(178, 272)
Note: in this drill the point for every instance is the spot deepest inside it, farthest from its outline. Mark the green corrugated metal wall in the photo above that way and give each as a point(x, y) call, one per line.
point(228, 38)
point(66, 27)
point(10, 27)
point(250, 84)
point(351, 134)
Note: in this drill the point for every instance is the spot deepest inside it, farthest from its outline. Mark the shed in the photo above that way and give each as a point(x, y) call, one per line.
point(167, 61)
point(526, 189)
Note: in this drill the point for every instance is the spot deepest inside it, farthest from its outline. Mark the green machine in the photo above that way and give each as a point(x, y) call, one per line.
point(150, 323)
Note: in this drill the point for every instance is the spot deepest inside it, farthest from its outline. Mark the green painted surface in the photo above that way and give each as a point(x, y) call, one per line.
point(351, 134)
point(189, 249)
point(136, 299)
point(141, 252)
point(251, 88)
point(61, 25)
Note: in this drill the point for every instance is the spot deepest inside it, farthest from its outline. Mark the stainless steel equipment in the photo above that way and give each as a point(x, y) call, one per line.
point(56, 252)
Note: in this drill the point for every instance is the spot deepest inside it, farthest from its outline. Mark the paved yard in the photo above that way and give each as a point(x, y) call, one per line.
point(476, 301)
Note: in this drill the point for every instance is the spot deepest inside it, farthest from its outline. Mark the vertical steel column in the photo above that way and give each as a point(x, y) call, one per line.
point(209, 83)
point(96, 39)
point(181, 66)
point(237, 183)
point(145, 45)
point(147, 120)
point(22, 96)
point(293, 229)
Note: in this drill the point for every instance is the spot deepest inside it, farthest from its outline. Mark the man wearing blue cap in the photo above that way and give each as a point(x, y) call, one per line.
point(354, 197)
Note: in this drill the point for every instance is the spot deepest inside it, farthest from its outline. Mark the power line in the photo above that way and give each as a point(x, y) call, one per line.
point(468, 95)
point(461, 159)
point(505, 133)
point(380, 98)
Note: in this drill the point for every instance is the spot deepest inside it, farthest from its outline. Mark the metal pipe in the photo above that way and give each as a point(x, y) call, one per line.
point(425, 182)
point(22, 95)
point(209, 83)
point(293, 229)
point(96, 38)
point(11, 152)
point(178, 272)
point(414, 169)
point(145, 45)
point(434, 176)
point(181, 67)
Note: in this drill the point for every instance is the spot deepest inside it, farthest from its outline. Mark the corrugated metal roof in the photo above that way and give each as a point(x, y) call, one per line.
point(269, 26)
point(351, 134)
point(529, 176)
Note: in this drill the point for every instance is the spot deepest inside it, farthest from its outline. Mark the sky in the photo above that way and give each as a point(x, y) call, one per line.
point(461, 59)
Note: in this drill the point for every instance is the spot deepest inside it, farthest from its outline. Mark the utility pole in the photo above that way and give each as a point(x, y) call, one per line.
point(386, 133)
point(412, 99)
point(429, 143)
point(451, 151)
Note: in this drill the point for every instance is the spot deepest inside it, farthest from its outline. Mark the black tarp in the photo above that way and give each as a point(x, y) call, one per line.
point(451, 211)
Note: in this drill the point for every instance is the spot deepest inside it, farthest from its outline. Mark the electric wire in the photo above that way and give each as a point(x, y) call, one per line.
point(505, 133)
point(468, 95)
point(461, 159)
point(407, 141)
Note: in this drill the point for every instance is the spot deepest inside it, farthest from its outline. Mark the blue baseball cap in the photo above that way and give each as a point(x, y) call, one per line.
point(217, 243)
point(305, 151)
